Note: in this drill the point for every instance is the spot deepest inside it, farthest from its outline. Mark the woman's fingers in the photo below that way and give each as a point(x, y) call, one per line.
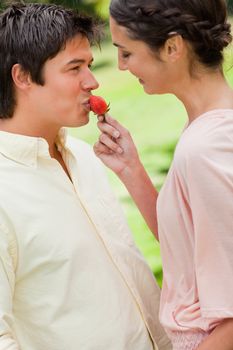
point(108, 129)
point(101, 118)
point(115, 146)
point(112, 128)
point(110, 142)
point(114, 123)
point(100, 148)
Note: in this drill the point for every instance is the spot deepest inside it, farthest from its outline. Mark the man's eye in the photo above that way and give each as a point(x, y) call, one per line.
point(75, 68)
point(90, 66)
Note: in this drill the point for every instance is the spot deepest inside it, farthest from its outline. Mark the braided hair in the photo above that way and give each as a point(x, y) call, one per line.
point(202, 23)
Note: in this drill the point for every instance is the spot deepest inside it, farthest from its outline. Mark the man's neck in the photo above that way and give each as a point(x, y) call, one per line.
point(31, 128)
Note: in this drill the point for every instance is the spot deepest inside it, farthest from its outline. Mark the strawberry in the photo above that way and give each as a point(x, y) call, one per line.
point(98, 105)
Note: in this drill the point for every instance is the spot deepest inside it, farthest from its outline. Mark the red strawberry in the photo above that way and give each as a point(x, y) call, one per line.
point(98, 105)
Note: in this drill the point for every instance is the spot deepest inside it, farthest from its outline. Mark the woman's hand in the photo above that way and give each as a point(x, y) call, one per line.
point(115, 147)
point(221, 338)
point(117, 151)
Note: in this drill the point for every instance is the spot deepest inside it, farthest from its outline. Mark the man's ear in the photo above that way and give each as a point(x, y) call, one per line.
point(173, 48)
point(21, 78)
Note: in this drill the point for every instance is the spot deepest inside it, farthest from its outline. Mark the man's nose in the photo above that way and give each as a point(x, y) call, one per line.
point(90, 82)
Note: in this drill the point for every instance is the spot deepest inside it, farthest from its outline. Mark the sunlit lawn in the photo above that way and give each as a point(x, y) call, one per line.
point(155, 123)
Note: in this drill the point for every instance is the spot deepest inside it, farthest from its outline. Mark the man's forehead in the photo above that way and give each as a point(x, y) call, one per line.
point(76, 50)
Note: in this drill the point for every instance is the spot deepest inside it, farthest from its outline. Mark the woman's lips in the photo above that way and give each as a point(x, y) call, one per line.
point(141, 81)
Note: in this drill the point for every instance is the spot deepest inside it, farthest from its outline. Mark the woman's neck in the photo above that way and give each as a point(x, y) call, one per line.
point(207, 92)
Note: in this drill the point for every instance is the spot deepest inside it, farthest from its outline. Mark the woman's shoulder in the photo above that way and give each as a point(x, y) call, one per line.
point(207, 140)
point(210, 131)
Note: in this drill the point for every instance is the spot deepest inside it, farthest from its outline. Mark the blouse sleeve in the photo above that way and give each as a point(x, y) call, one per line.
point(210, 189)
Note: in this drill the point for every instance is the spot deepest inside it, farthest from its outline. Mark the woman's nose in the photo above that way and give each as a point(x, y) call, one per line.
point(122, 65)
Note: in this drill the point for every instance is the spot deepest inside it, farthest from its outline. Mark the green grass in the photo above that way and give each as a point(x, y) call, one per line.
point(155, 122)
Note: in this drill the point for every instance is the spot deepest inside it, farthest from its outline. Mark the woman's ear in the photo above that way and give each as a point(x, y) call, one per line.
point(173, 48)
point(20, 77)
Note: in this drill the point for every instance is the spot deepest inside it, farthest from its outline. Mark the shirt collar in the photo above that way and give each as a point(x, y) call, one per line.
point(27, 149)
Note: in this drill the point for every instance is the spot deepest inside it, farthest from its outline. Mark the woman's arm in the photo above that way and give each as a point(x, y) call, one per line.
point(143, 193)
point(118, 152)
point(221, 338)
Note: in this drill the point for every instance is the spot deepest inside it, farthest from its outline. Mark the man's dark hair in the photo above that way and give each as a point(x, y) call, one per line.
point(30, 35)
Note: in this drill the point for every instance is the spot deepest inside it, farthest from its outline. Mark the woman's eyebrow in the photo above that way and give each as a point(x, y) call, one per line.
point(118, 45)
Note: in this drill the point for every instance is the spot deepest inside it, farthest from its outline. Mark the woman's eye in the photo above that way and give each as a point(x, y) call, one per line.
point(125, 54)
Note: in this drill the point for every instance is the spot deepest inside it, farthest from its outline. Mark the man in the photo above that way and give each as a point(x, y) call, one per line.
point(70, 275)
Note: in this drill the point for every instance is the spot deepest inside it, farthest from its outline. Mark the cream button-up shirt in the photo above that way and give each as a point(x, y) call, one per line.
point(71, 277)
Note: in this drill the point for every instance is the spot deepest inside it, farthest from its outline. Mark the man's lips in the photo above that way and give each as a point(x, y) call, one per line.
point(141, 81)
point(87, 106)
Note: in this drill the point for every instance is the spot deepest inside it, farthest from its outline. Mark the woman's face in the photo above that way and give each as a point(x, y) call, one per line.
point(136, 56)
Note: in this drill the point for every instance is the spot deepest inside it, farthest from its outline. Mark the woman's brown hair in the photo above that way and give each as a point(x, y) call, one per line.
point(203, 23)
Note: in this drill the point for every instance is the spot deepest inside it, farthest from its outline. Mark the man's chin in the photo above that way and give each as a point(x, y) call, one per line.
point(80, 122)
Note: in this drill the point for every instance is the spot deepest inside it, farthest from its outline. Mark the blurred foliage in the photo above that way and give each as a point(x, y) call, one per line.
point(99, 7)
point(230, 6)
point(93, 7)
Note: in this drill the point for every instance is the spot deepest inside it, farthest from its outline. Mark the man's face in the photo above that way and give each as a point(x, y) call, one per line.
point(68, 82)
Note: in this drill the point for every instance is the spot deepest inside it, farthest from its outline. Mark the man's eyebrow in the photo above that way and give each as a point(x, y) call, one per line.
point(78, 61)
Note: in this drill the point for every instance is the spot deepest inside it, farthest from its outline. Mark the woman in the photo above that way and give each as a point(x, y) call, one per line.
point(176, 46)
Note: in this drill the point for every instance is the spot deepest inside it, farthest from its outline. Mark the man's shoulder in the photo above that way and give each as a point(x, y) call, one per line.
point(80, 148)
point(83, 152)
point(78, 145)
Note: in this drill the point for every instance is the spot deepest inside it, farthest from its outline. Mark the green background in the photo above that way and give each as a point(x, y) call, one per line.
point(155, 123)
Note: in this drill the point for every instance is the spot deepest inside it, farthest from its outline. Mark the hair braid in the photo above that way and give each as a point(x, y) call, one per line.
point(208, 39)
point(211, 36)
point(202, 23)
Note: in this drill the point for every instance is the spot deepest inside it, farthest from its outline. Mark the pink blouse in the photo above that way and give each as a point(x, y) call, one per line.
point(195, 213)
